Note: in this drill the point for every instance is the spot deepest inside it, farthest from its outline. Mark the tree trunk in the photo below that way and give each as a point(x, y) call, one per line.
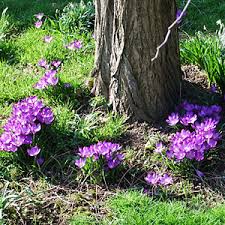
point(127, 34)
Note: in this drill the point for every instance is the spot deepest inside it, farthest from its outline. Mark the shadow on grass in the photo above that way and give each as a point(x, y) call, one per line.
point(65, 93)
point(8, 53)
point(22, 12)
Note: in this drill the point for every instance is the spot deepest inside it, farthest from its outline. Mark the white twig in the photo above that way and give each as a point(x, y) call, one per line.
point(169, 30)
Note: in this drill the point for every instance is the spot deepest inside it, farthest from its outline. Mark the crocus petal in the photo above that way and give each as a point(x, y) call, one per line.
point(39, 16)
point(38, 24)
point(33, 151)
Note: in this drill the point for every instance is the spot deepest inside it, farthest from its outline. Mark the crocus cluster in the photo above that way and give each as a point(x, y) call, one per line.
point(25, 121)
point(49, 78)
point(106, 151)
point(198, 132)
point(74, 45)
point(39, 22)
point(157, 179)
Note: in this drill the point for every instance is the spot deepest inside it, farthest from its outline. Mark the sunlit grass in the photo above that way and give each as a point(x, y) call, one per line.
point(134, 208)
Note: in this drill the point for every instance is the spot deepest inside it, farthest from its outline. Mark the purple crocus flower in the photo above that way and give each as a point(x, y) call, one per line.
point(18, 140)
point(50, 73)
point(28, 140)
point(48, 79)
point(48, 39)
point(41, 84)
point(33, 151)
point(35, 128)
point(173, 119)
point(199, 173)
point(52, 81)
point(179, 17)
point(39, 16)
point(6, 137)
point(40, 160)
point(67, 85)
point(38, 24)
point(166, 180)
point(152, 178)
point(156, 179)
point(216, 108)
point(43, 63)
point(169, 154)
point(188, 106)
point(56, 63)
point(188, 118)
point(213, 88)
point(207, 125)
point(46, 116)
point(120, 156)
point(159, 147)
point(113, 163)
point(86, 152)
point(80, 162)
point(74, 45)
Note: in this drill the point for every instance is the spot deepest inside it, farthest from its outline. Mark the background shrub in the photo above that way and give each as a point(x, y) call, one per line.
point(77, 16)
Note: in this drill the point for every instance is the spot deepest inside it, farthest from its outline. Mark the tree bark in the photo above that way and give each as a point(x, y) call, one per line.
point(127, 34)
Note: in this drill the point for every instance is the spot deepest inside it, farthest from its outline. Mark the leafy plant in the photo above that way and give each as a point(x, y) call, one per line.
point(4, 24)
point(96, 127)
point(77, 16)
point(7, 198)
point(207, 52)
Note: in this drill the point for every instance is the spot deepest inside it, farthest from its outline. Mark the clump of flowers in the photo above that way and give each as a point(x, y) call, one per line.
point(106, 152)
point(26, 120)
point(198, 132)
point(155, 179)
point(49, 78)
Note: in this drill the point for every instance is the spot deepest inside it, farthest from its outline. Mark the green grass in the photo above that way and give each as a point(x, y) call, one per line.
point(22, 12)
point(134, 208)
point(203, 13)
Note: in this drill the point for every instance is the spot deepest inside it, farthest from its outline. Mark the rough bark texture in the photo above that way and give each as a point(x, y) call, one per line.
point(127, 34)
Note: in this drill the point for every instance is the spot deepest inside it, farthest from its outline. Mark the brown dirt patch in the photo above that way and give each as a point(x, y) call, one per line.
point(194, 75)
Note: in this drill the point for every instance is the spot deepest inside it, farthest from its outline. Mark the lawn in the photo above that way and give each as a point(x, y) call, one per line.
point(203, 14)
point(134, 208)
point(49, 187)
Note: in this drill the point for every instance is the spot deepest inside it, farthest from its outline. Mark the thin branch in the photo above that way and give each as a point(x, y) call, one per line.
point(169, 30)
